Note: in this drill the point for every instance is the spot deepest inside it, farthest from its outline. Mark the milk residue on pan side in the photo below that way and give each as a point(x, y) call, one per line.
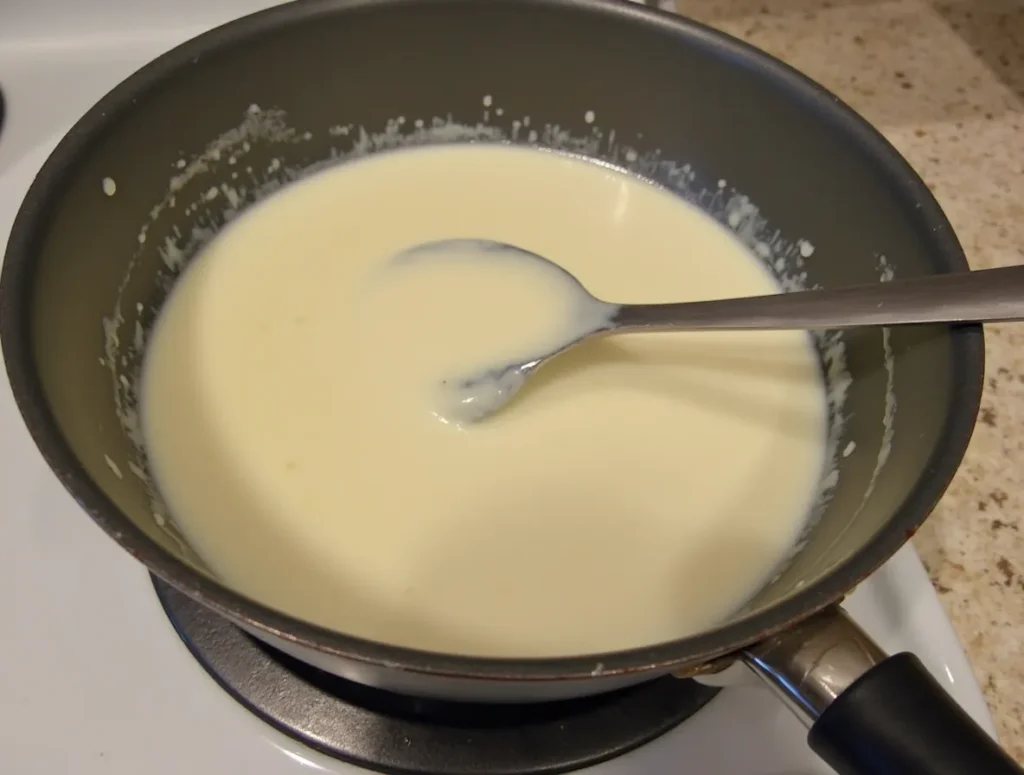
point(212, 187)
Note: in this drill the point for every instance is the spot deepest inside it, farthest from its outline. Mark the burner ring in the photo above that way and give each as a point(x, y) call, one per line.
point(391, 733)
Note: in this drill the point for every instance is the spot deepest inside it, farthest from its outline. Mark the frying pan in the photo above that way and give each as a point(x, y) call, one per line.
point(219, 122)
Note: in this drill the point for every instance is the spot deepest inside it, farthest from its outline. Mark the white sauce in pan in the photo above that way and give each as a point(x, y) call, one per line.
point(640, 488)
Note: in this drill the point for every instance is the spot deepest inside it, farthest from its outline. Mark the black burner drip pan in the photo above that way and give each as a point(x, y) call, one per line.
point(392, 733)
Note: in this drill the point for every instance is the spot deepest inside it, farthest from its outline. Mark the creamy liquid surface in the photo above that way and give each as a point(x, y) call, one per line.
point(638, 489)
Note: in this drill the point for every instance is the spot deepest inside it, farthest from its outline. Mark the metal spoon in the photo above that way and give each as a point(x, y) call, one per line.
point(985, 295)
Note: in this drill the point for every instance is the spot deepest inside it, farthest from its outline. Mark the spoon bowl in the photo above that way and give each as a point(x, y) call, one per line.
point(469, 398)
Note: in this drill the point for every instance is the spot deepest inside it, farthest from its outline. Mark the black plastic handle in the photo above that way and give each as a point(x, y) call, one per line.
point(897, 720)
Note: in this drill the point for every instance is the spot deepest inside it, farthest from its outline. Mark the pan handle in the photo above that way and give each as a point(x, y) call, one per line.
point(869, 713)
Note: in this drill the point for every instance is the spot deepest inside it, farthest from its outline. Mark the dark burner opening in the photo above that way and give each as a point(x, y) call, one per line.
point(403, 735)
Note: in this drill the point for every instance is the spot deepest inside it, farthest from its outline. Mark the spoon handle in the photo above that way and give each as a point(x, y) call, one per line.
point(959, 297)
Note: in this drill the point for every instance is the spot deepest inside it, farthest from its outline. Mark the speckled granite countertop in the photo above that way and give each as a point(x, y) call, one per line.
point(945, 82)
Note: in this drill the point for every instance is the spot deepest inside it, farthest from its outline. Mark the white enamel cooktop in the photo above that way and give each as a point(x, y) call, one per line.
point(93, 679)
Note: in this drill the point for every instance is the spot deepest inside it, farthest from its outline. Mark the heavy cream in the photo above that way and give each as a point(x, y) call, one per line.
point(638, 489)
